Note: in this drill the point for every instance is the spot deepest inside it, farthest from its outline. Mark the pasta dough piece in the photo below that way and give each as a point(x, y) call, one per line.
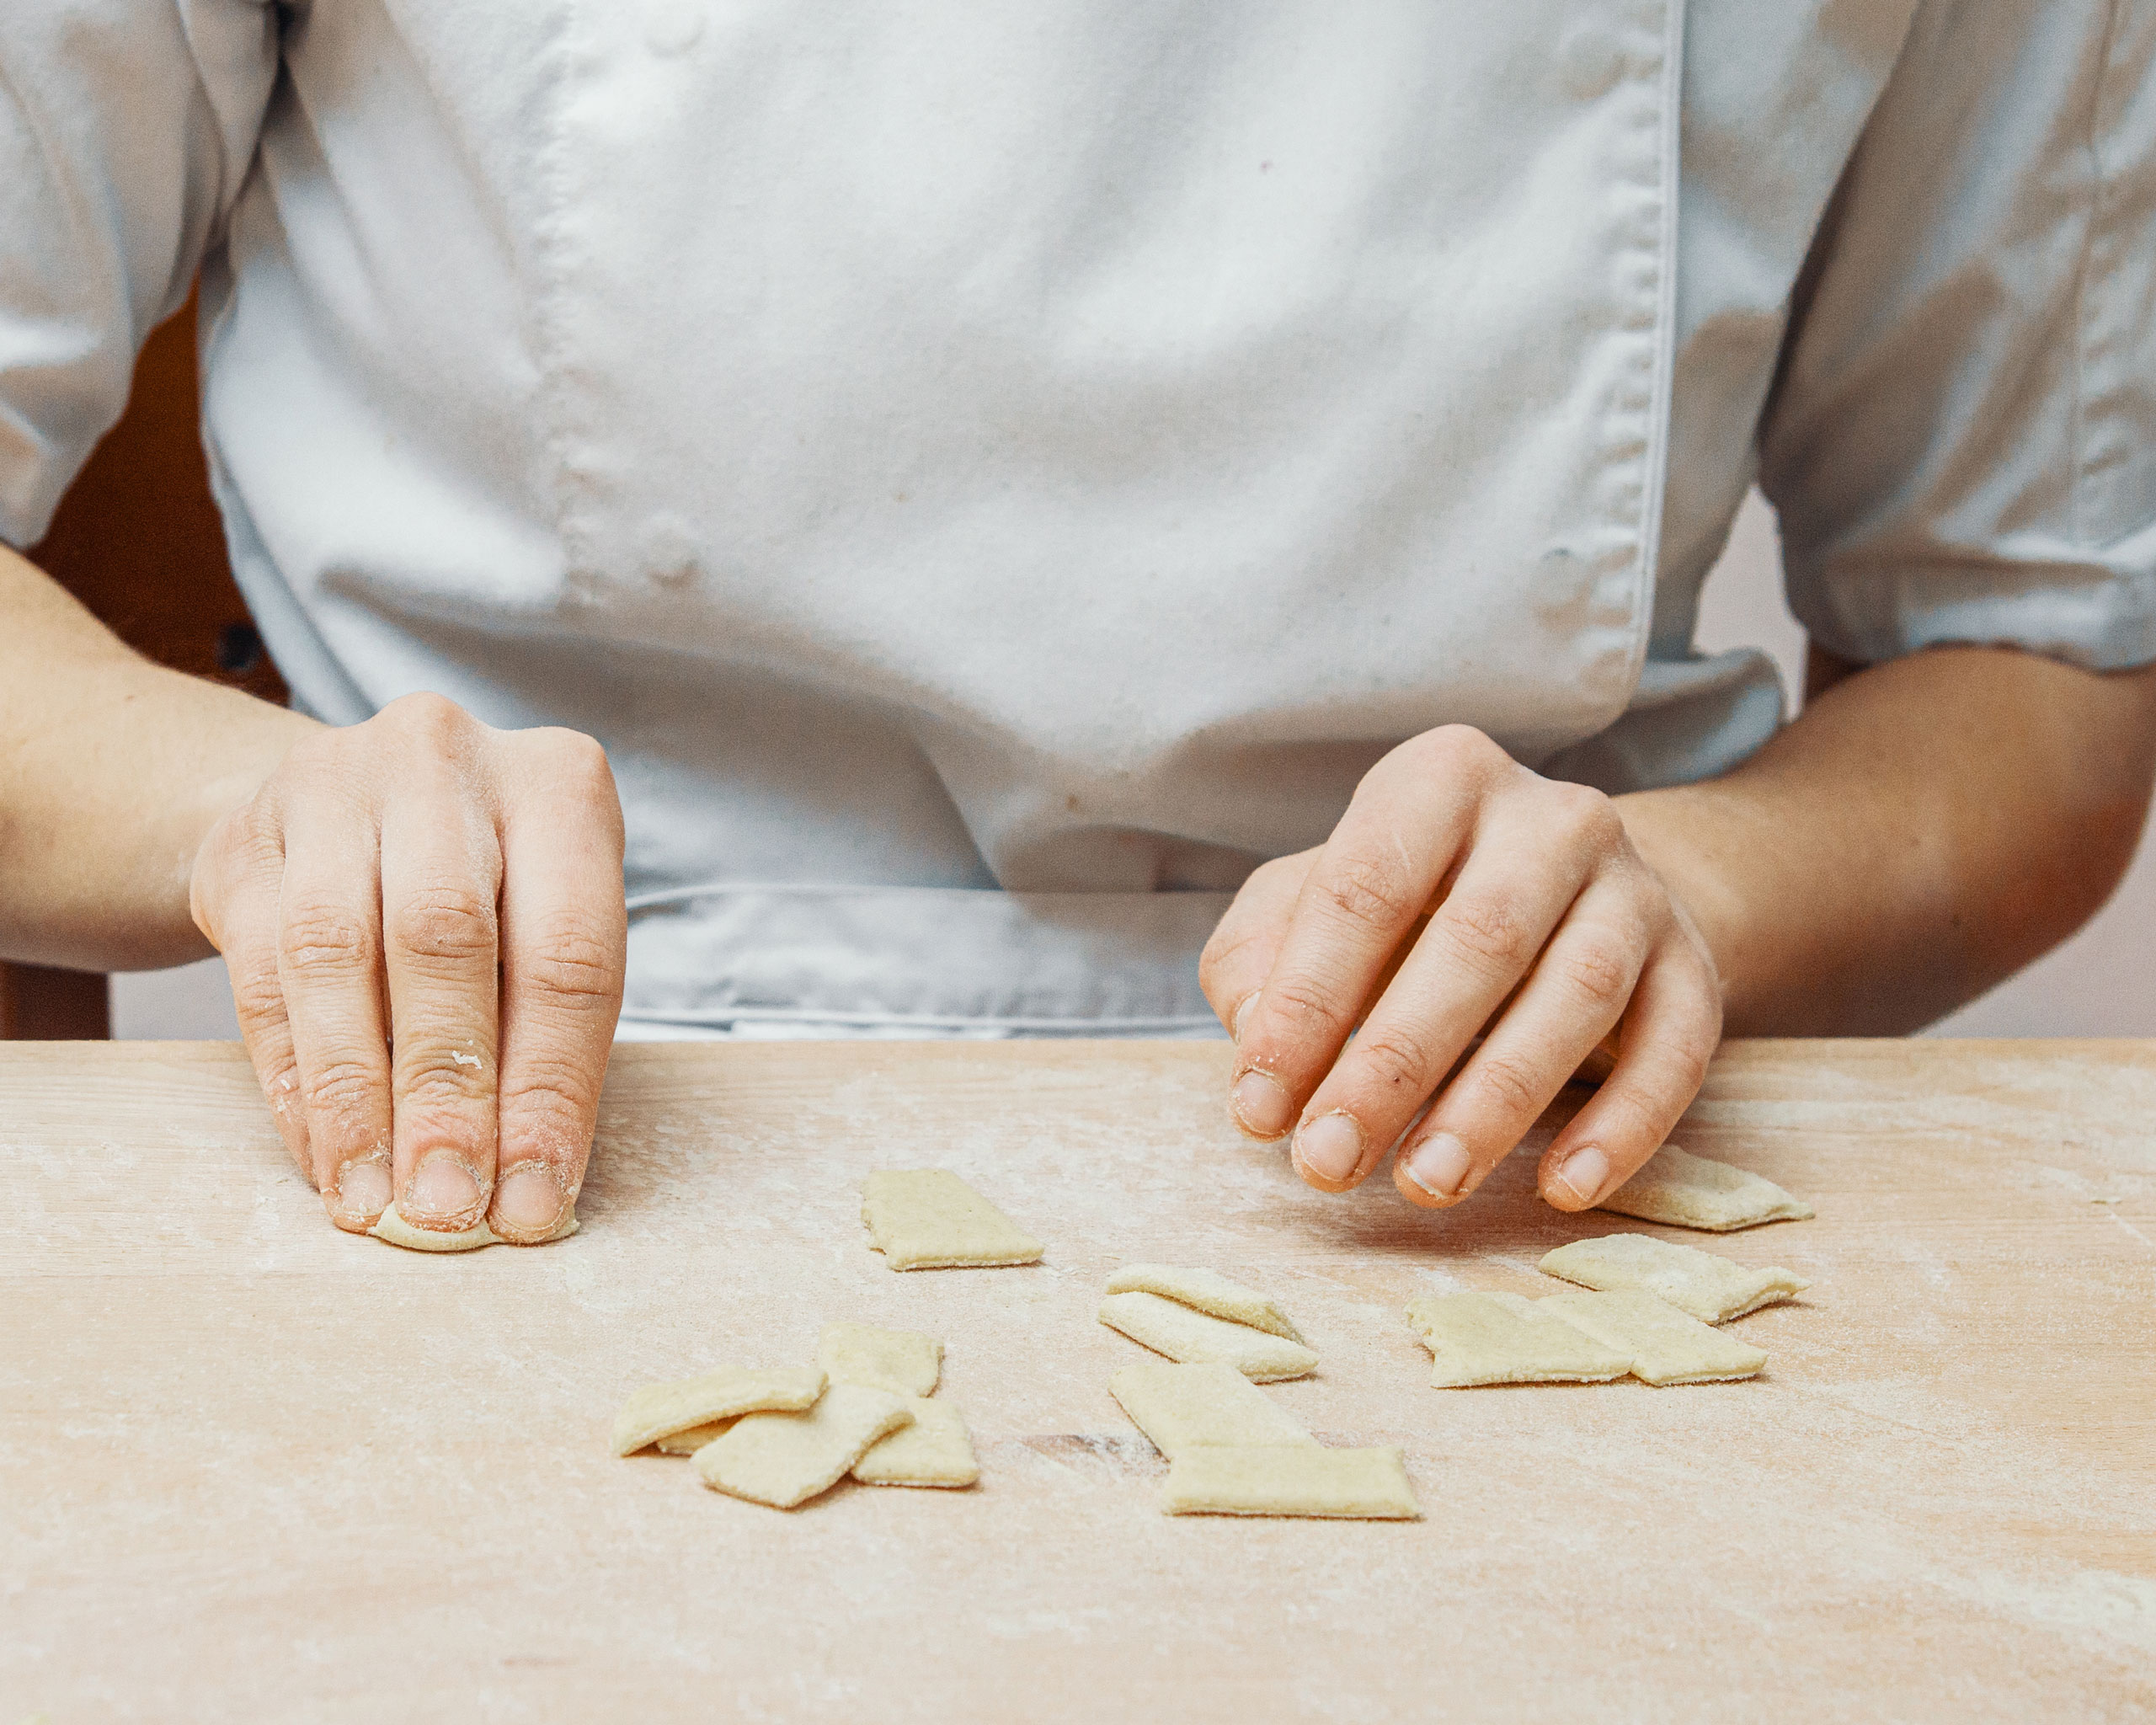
point(1365, 1484)
point(660, 1410)
point(394, 1228)
point(934, 1450)
point(1183, 1408)
point(1196, 1337)
point(1713, 1289)
point(1501, 1338)
point(1688, 1191)
point(1206, 1291)
point(928, 1219)
point(1666, 1346)
point(898, 1360)
point(785, 1458)
point(687, 1443)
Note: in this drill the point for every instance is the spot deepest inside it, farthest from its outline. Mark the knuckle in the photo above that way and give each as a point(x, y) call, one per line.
point(322, 939)
point(1487, 929)
point(1370, 891)
point(258, 997)
point(341, 1089)
point(552, 1095)
point(572, 758)
point(428, 715)
point(1458, 748)
point(1396, 1059)
point(452, 925)
point(572, 966)
point(1511, 1084)
point(1599, 967)
point(1586, 812)
point(435, 1080)
point(1690, 1057)
point(1298, 1006)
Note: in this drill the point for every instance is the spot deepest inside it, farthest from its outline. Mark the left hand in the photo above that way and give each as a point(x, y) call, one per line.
point(1462, 894)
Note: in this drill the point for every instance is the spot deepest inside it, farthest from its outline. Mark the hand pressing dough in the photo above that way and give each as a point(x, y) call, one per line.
point(1502, 1338)
point(1364, 1484)
point(1196, 1337)
point(394, 1228)
point(1713, 1289)
point(659, 1411)
point(928, 1219)
point(934, 1450)
point(1205, 1291)
point(897, 1360)
point(1184, 1407)
point(1688, 1191)
point(1666, 1346)
point(784, 1459)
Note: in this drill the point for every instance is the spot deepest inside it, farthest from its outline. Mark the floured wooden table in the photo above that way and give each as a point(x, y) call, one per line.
point(252, 1468)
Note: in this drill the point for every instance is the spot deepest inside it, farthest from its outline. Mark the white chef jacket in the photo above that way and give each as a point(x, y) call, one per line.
point(989, 476)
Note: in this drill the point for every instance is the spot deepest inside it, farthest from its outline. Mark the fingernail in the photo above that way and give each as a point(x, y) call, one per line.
point(529, 1202)
point(1440, 1164)
point(362, 1189)
point(1242, 1011)
point(1261, 1107)
point(444, 1189)
point(1331, 1145)
point(1584, 1174)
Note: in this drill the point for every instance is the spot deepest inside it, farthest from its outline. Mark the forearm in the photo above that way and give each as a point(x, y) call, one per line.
point(1923, 829)
point(111, 771)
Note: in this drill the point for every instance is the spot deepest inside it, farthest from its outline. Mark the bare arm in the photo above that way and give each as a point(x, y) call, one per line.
point(112, 771)
point(1923, 829)
point(421, 915)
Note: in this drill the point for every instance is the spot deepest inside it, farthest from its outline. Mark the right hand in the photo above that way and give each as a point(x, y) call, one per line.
point(423, 918)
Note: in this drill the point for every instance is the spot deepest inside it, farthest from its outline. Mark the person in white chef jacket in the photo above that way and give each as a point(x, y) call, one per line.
point(1085, 518)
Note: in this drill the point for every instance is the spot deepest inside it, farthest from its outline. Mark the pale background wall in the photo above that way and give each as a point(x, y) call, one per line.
point(2101, 983)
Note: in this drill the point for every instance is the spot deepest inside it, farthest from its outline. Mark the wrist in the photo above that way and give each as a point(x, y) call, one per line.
point(1690, 836)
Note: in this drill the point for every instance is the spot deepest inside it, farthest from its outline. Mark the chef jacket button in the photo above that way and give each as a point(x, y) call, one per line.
point(666, 550)
point(1559, 586)
point(672, 27)
point(1590, 60)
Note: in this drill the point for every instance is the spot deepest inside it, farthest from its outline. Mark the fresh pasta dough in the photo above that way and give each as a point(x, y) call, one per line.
point(1207, 1406)
point(1711, 1289)
point(1192, 1336)
point(1477, 1339)
point(785, 1458)
point(1688, 1191)
point(934, 1450)
point(1666, 1346)
point(898, 1360)
point(1368, 1485)
point(393, 1228)
point(660, 1411)
point(1207, 1291)
point(928, 1219)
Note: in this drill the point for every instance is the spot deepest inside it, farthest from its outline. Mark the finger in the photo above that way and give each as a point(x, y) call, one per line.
point(565, 939)
point(232, 897)
point(1574, 997)
point(1515, 888)
point(1670, 1031)
point(440, 886)
point(1246, 944)
point(328, 970)
point(1411, 818)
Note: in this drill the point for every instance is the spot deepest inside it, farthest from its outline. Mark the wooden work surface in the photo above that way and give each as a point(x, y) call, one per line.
point(250, 1468)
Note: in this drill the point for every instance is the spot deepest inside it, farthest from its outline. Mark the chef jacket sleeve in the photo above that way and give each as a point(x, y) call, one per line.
point(125, 129)
point(1961, 442)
